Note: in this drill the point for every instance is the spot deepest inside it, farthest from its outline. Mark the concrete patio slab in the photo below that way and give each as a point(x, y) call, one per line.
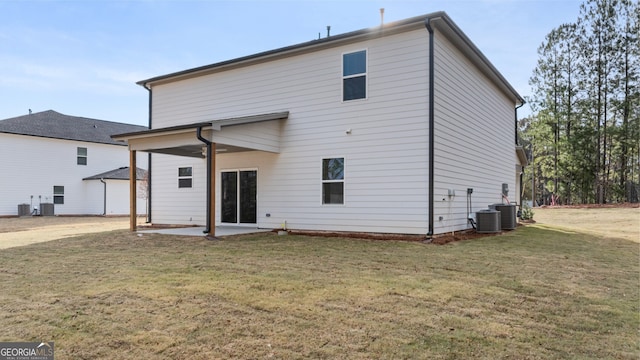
point(199, 231)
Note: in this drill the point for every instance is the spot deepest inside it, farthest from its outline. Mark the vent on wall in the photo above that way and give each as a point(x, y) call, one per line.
point(488, 221)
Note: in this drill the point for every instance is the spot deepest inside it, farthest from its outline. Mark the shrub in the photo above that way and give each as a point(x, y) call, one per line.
point(527, 212)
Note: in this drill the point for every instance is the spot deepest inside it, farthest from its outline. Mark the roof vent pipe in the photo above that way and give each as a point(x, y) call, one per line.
point(381, 16)
point(328, 30)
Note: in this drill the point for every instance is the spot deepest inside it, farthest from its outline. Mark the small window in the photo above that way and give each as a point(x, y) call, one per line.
point(58, 194)
point(333, 181)
point(82, 156)
point(354, 75)
point(185, 177)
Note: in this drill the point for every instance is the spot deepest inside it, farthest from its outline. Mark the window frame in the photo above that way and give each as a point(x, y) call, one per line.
point(185, 177)
point(324, 181)
point(58, 196)
point(365, 74)
point(84, 156)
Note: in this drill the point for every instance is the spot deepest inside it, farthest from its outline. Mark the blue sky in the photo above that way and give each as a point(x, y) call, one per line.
point(84, 57)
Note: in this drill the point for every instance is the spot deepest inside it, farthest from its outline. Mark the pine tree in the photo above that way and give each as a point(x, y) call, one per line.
point(585, 130)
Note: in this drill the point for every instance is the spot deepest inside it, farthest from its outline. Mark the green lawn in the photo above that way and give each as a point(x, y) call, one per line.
point(534, 293)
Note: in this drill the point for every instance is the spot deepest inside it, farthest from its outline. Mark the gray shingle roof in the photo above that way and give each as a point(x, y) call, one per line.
point(118, 174)
point(51, 124)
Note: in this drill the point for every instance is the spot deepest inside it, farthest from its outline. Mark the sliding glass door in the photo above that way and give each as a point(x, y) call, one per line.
point(239, 196)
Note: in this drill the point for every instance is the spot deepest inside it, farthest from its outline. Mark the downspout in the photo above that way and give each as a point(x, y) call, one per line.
point(431, 124)
point(209, 170)
point(516, 120)
point(149, 160)
point(516, 139)
point(104, 202)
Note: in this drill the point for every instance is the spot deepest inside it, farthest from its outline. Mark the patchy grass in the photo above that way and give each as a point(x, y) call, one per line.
point(611, 222)
point(534, 293)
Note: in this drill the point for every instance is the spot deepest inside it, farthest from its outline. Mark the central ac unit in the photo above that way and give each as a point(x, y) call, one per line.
point(488, 221)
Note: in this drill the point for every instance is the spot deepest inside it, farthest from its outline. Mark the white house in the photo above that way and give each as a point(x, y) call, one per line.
point(391, 129)
point(48, 157)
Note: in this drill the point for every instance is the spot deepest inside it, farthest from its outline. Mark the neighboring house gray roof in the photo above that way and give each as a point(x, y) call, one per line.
point(118, 174)
point(51, 124)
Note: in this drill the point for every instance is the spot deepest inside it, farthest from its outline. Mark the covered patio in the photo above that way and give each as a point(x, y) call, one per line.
point(204, 140)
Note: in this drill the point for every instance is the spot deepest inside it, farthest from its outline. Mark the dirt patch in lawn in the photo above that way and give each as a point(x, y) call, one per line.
point(20, 231)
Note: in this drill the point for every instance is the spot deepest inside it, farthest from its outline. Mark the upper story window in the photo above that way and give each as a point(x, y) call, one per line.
point(185, 177)
point(82, 156)
point(354, 75)
point(333, 181)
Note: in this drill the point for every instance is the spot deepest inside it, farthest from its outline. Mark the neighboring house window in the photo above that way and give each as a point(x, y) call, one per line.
point(82, 156)
point(333, 181)
point(185, 177)
point(354, 75)
point(58, 194)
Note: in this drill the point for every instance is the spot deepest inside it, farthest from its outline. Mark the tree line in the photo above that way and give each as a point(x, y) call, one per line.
point(583, 137)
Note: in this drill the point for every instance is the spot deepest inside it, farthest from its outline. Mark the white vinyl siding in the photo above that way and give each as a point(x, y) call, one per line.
point(386, 147)
point(43, 163)
point(170, 204)
point(387, 144)
point(474, 139)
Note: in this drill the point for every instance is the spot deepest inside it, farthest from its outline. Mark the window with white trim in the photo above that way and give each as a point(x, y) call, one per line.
point(354, 75)
point(185, 177)
point(333, 181)
point(82, 156)
point(58, 194)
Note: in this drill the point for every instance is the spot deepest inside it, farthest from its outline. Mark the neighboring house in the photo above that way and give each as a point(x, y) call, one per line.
point(114, 187)
point(379, 130)
point(48, 157)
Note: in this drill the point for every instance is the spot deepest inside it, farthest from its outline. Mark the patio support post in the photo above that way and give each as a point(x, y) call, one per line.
point(212, 189)
point(133, 216)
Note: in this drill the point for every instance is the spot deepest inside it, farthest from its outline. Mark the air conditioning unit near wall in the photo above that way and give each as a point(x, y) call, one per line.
point(488, 221)
point(507, 216)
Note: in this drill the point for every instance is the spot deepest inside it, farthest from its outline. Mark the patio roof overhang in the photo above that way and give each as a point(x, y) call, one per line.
point(236, 134)
point(522, 155)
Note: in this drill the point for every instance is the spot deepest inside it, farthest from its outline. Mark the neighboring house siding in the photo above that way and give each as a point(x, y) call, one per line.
point(385, 154)
point(33, 165)
point(474, 139)
point(117, 197)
